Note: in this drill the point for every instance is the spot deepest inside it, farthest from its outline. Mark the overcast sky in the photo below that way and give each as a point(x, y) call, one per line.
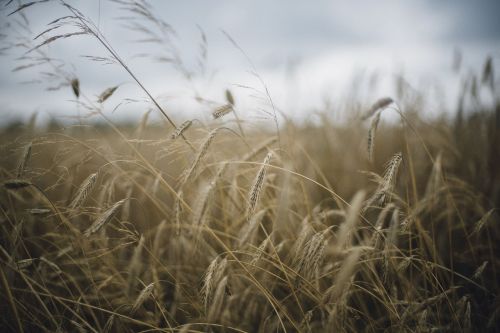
point(307, 53)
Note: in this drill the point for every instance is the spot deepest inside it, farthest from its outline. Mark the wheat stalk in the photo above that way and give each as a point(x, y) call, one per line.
point(181, 129)
point(201, 153)
point(212, 277)
point(221, 111)
point(145, 293)
point(83, 191)
point(103, 219)
point(257, 186)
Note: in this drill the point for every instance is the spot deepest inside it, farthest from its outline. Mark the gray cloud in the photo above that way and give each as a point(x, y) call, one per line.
point(327, 40)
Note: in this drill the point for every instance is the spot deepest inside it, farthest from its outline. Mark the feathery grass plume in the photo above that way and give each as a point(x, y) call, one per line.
point(247, 232)
point(311, 256)
point(257, 186)
point(479, 271)
point(24, 160)
point(347, 228)
point(145, 293)
point(482, 221)
point(106, 94)
point(83, 191)
point(24, 5)
point(14, 184)
point(229, 97)
point(378, 105)
point(221, 111)
point(213, 276)
point(103, 219)
point(57, 37)
point(371, 135)
point(135, 267)
point(181, 129)
point(178, 212)
point(202, 152)
point(75, 86)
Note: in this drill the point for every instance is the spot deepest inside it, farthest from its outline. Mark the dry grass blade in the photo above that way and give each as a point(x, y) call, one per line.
point(103, 219)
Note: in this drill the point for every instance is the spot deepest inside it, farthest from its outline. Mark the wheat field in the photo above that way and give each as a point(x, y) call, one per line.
point(364, 225)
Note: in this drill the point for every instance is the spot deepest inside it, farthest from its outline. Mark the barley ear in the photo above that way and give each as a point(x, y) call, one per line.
point(257, 187)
